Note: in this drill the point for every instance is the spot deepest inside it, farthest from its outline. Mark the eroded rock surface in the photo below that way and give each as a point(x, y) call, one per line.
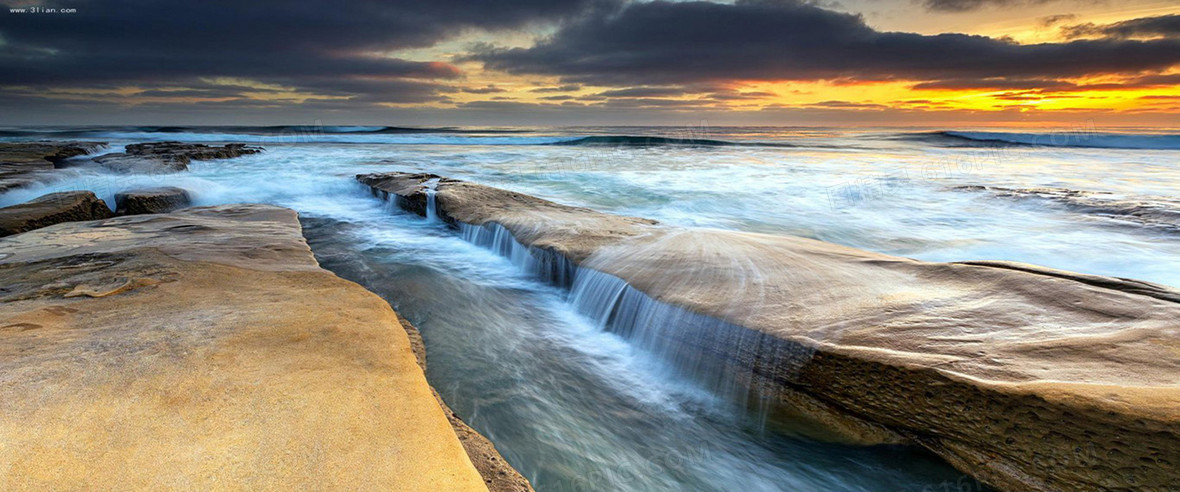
point(1025, 377)
point(24, 163)
point(151, 201)
point(206, 349)
point(54, 208)
point(165, 157)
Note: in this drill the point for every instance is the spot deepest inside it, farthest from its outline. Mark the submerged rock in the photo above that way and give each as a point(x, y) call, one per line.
point(164, 157)
point(205, 349)
point(54, 208)
point(1025, 377)
point(24, 163)
point(151, 201)
point(1151, 211)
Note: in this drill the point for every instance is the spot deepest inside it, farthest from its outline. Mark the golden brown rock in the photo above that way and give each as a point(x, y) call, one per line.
point(151, 201)
point(1025, 377)
point(54, 208)
point(206, 349)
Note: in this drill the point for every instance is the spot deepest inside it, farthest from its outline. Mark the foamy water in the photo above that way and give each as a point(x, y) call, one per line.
point(577, 408)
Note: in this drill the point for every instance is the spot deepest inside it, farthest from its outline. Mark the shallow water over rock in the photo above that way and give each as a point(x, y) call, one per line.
point(574, 406)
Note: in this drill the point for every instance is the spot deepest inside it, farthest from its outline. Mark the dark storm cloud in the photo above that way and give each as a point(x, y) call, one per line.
point(645, 92)
point(1050, 85)
point(563, 88)
point(995, 84)
point(969, 5)
point(686, 42)
point(1055, 19)
point(1167, 26)
point(300, 44)
point(489, 89)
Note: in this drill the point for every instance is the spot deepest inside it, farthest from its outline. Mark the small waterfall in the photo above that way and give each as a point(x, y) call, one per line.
point(431, 205)
point(739, 364)
point(548, 265)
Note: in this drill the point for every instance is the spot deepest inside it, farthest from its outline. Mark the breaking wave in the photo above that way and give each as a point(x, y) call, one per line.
point(650, 141)
point(1079, 139)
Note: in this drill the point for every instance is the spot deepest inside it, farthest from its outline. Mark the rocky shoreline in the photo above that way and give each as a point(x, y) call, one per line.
point(159, 345)
point(1024, 377)
point(207, 346)
point(196, 347)
point(22, 164)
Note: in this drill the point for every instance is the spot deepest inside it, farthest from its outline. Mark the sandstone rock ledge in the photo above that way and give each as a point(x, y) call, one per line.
point(54, 208)
point(23, 163)
point(151, 200)
point(167, 157)
point(206, 349)
point(1025, 377)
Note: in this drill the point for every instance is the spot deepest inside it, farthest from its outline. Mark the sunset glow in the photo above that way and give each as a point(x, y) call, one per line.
point(972, 62)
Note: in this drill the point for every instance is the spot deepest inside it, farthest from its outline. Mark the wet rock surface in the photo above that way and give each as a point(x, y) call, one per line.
point(165, 157)
point(151, 201)
point(54, 208)
point(1025, 377)
point(202, 349)
point(24, 163)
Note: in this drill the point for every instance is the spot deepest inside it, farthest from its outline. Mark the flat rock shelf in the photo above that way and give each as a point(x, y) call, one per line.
point(207, 349)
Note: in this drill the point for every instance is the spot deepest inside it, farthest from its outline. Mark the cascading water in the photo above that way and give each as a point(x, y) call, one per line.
point(549, 266)
point(583, 392)
point(431, 189)
point(695, 347)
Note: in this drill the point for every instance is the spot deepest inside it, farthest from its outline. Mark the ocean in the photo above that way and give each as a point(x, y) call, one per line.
point(574, 407)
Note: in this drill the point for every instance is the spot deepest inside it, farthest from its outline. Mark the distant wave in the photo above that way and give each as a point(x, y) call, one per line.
point(1058, 139)
point(290, 134)
point(384, 130)
point(644, 141)
point(277, 130)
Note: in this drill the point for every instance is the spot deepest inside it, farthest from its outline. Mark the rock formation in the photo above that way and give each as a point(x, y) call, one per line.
point(165, 157)
point(151, 201)
point(26, 162)
point(206, 349)
point(54, 208)
point(1025, 377)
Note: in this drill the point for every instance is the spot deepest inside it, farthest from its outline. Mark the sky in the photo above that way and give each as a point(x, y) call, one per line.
point(1094, 63)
